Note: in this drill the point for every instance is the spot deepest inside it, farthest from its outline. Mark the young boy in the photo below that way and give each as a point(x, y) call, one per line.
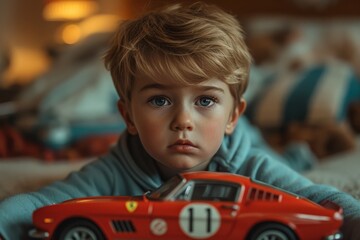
point(180, 73)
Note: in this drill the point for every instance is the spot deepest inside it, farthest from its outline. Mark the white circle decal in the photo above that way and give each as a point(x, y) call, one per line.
point(158, 226)
point(198, 220)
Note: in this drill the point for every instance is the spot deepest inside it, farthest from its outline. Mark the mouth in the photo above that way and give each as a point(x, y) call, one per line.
point(183, 146)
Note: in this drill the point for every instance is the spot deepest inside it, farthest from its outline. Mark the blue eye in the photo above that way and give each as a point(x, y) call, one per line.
point(159, 101)
point(206, 101)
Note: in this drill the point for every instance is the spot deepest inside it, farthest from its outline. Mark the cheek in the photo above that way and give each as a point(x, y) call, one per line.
point(152, 135)
point(150, 129)
point(144, 120)
point(213, 130)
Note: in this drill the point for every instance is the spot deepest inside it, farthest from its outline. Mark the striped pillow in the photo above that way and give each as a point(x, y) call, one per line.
point(316, 95)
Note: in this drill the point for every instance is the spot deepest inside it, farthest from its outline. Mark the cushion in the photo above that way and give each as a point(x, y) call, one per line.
point(320, 93)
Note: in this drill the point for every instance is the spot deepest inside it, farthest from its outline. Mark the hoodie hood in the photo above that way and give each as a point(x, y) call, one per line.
point(233, 150)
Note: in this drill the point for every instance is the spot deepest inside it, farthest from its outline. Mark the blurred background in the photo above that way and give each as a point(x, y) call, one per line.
point(57, 100)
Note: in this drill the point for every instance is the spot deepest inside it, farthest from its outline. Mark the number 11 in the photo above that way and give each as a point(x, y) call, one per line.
point(208, 219)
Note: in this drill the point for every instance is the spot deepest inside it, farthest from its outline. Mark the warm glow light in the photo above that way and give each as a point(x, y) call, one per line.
point(99, 23)
point(69, 10)
point(71, 34)
point(26, 63)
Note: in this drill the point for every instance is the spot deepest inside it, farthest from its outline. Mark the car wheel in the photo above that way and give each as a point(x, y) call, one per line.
point(272, 231)
point(80, 230)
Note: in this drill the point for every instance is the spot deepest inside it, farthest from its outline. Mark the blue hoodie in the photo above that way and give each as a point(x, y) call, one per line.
point(128, 170)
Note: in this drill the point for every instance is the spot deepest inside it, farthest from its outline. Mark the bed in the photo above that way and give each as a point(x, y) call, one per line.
point(341, 170)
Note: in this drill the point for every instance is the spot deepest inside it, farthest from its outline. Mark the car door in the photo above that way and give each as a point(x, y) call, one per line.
point(201, 209)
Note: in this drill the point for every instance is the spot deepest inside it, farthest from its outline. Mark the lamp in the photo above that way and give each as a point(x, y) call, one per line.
point(62, 10)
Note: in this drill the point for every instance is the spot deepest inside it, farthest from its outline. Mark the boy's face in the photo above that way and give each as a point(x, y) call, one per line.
point(181, 127)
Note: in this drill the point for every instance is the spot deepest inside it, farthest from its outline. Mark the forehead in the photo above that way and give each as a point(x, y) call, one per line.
point(145, 83)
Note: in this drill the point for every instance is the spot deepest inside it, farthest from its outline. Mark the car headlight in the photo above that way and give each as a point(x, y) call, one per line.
point(48, 220)
point(338, 216)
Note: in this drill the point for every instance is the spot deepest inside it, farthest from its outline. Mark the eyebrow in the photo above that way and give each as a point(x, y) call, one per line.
point(164, 87)
point(152, 86)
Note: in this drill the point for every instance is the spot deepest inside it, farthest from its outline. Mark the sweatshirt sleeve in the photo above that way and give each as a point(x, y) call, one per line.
point(16, 211)
point(264, 169)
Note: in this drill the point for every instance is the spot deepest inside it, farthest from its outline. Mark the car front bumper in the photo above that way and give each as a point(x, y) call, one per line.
point(37, 234)
point(336, 236)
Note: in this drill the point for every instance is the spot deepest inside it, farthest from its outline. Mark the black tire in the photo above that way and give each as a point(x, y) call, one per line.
point(80, 229)
point(271, 231)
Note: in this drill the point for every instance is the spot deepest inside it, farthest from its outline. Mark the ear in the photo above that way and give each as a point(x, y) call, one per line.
point(125, 112)
point(234, 117)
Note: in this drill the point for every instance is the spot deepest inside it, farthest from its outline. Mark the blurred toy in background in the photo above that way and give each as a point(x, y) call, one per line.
point(324, 139)
point(354, 116)
point(14, 143)
point(306, 88)
point(343, 42)
point(193, 205)
point(57, 115)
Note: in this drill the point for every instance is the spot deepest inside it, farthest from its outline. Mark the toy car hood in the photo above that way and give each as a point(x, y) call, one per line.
point(102, 199)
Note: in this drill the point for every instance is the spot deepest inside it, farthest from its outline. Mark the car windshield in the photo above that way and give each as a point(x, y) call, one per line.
point(164, 190)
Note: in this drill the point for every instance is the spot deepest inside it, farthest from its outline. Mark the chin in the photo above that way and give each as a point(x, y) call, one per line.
point(183, 163)
point(190, 167)
point(180, 166)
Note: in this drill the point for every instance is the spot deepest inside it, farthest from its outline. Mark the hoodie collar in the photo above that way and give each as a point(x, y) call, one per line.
point(233, 150)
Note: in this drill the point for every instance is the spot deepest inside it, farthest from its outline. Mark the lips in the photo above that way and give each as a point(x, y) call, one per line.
point(183, 146)
point(184, 142)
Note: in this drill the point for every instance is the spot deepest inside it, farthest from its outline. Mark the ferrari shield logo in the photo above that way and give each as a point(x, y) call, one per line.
point(131, 205)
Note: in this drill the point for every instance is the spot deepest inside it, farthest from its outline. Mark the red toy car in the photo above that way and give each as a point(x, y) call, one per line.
point(198, 205)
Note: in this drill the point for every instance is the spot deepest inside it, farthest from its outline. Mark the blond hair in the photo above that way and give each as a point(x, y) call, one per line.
point(188, 44)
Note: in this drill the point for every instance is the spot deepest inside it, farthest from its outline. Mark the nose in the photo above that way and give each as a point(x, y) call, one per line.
point(182, 121)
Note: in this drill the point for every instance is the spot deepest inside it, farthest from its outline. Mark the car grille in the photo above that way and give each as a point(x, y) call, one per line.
point(123, 226)
point(258, 194)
